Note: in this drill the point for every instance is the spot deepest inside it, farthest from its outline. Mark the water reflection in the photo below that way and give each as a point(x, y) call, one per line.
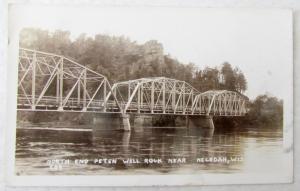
point(173, 150)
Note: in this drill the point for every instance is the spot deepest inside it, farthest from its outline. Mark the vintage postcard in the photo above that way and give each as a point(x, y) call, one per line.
point(134, 96)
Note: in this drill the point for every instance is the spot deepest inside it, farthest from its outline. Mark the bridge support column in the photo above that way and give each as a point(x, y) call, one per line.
point(124, 123)
point(141, 121)
point(111, 122)
point(201, 122)
point(181, 121)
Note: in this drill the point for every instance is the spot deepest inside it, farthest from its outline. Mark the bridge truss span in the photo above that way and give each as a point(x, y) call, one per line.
point(53, 82)
point(220, 103)
point(155, 95)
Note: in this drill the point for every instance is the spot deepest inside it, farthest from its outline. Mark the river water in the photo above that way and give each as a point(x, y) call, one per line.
point(46, 150)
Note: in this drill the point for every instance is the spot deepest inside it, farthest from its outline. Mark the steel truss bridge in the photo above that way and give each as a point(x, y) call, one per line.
point(50, 82)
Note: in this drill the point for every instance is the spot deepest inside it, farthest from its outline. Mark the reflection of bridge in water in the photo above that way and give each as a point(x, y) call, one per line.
point(153, 143)
point(50, 82)
point(190, 144)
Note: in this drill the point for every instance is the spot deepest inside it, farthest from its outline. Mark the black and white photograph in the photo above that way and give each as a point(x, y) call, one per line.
point(141, 92)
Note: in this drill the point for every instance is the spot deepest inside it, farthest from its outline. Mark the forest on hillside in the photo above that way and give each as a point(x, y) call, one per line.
point(119, 58)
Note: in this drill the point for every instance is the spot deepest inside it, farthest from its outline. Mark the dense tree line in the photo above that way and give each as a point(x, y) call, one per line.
point(119, 58)
point(266, 109)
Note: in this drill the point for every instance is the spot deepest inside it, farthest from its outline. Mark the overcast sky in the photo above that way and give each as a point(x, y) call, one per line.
point(259, 42)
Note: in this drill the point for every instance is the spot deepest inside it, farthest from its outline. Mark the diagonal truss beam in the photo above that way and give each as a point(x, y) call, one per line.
point(37, 71)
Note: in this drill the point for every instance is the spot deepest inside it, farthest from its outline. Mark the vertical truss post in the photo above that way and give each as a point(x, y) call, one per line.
point(152, 97)
point(164, 96)
point(114, 92)
point(192, 99)
point(139, 99)
point(199, 103)
point(50, 66)
point(78, 91)
point(174, 96)
point(225, 104)
point(232, 105)
point(229, 104)
point(104, 93)
point(33, 81)
point(57, 88)
point(61, 81)
point(183, 99)
point(237, 106)
point(84, 90)
point(142, 95)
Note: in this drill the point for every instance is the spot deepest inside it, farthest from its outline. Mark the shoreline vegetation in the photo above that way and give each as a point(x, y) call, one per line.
point(120, 59)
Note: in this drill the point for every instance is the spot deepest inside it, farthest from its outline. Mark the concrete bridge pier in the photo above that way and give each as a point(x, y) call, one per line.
point(203, 126)
point(140, 121)
point(125, 123)
point(201, 122)
point(111, 122)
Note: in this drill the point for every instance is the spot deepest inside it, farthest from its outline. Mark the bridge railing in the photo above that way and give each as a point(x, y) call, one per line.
point(73, 104)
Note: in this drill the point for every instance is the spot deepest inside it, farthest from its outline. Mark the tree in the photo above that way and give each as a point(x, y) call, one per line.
point(240, 81)
point(207, 79)
point(228, 77)
point(267, 110)
point(120, 59)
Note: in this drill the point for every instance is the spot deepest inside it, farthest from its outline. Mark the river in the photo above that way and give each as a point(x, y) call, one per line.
point(44, 149)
